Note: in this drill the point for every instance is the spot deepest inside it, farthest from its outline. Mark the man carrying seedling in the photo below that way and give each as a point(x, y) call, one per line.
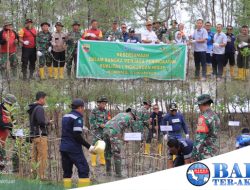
point(71, 146)
point(97, 120)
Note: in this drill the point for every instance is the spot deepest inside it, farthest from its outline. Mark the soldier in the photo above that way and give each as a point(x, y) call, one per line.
point(27, 37)
point(154, 130)
point(113, 133)
point(8, 42)
point(172, 30)
point(159, 31)
point(44, 48)
point(97, 120)
point(72, 40)
point(114, 34)
point(206, 137)
point(58, 42)
point(7, 122)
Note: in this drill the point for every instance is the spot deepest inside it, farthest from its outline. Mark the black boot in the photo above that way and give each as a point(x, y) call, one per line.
point(118, 170)
point(108, 167)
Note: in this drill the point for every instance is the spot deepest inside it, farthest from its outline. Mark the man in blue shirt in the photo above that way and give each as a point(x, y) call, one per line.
point(124, 32)
point(132, 38)
point(209, 48)
point(230, 51)
point(71, 146)
point(243, 139)
point(177, 121)
point(182, 148)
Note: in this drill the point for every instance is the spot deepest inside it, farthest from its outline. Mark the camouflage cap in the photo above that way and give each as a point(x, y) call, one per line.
point(10, 99)
point(102, 99)
point(173, 106)
point(76, 23)
point(45, 23)
point(157, 22)
point(59, 24)
point(204, 98)
point(148, 102)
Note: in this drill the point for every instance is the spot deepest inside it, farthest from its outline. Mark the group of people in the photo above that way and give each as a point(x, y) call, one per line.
point(212, 51)
point(180, 148)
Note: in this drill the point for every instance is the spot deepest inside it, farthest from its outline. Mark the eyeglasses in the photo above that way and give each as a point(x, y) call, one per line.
point(124, 27)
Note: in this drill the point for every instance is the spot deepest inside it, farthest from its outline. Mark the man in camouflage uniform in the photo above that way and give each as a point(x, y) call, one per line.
point(206, 137)
point(73, 38)
point(43, 46)
point(97, 120)
point(171, 32)
point(159, 31)
point(113, 134)
point(114, 34)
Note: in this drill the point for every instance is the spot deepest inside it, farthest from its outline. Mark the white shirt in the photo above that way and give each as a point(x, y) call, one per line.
point(149, 35)
point(219, 38)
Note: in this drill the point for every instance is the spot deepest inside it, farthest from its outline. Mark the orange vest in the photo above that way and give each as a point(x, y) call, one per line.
point(202, 125)
point(29, 35)
point(12, 45)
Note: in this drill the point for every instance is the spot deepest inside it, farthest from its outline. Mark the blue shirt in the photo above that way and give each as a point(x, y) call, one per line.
point(210, 41)
point(177, 122)
point(185, 149)
point(242, 140)
point(133, 39)
point(230, 43)
point(125, 36)
point(71, 122)
point(199, 35)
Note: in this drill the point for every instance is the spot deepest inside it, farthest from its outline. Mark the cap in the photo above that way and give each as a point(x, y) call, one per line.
point(10, 99)
point(204, 98)
point(7, 23)
point(173, 106)
point(131, 30)
point(45, 23)
point(131, 110)
point(115, 22)
point(28, 20)
point(148, 102)
point(157, 22)
point(77, 102)
point(76, 23)
point(102, 99)
point(59, 24)
point(148, 23)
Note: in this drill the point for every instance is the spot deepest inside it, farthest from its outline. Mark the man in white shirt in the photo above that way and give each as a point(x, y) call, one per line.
point(220, 42)
point(149, 36)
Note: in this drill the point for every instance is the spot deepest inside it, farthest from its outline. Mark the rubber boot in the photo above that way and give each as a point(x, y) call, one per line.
point(108, 167)
point(61, 72)
point(147, 149)
point(67, 183)
point(102, 159)
point(159, 149)
point(209, 69)
point(31, 75)
point(83, 182)
point(118, 170)
point(240, 74)
point(232, 71)
point(93, 160)
point(244, 75)
point(41, 73)
point(50, 72)
point(224, 71)
point(56, 73)
point(247, 72)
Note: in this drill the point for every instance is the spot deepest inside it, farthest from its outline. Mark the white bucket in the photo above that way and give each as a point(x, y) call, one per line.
point(100, 146)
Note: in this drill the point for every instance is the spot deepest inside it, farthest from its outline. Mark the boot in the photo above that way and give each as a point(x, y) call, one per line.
point(160, 149)
point(118, 170)
point(93, 160)
point(232, 71)
point(240, 74)
point(244, 76)
point(41, 73)
point(209, 69)
point(147, 149)
point(83, 182)
point(102, 159)
point(31, 75)
point(69, 73)
point(61, 72)
point(50, 72)
point(224, 71)
point(55, 73)
point(14, 72)
point(247, 72)
point(67, 183)
point(108, 167)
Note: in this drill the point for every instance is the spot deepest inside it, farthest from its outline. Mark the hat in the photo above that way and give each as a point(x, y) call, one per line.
point(157, 22)
point(28, 20)
point(10, 99)
point(76, 23)
point(148, 102)
point(173, 106)
point(7, 23)
point(148, 23)
point(45, 23)
point(115, 22)
point(102, 99)
point(77, 102)
point(131, 30)
point(204, 98)
point(59, 24)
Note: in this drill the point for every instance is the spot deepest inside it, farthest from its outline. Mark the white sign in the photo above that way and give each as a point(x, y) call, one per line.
point(234, 123)
point(19, 133)
point(166, 128)
point(132, 136)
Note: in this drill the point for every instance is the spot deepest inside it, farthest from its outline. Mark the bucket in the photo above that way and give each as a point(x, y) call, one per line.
point(100, 146)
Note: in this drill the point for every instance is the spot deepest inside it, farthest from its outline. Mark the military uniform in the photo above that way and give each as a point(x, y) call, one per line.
point(113, 133)
point(72, 40)
point(206, 138)
point(114, 36)
point(96, 119)
point(43, 45)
